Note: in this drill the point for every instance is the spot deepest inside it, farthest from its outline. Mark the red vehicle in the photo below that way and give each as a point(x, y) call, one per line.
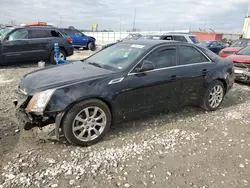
point(235, 47)
point(241, 61)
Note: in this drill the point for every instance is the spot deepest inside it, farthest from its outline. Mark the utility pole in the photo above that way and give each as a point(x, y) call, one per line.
point(247, 19)
point(134, 19)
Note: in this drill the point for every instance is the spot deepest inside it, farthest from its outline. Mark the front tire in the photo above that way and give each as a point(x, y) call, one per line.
point(91, 46)
point(87, 122)
point(214, 96)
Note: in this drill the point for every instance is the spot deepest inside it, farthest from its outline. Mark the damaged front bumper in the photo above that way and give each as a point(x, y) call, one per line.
point(242, 74)
point(28, 122)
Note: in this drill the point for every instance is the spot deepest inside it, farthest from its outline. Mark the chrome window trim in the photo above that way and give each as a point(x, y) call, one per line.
point(209, 60)
point(177, 66)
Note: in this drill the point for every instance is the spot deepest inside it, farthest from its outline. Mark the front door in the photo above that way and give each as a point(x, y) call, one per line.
point(15, 47)
point(153, 90)
point(193, 68)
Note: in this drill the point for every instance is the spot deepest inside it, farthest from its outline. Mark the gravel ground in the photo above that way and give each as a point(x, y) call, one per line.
point(184, 148)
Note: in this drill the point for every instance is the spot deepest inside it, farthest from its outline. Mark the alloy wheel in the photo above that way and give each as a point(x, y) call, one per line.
point(216, 96)
point(89, 123)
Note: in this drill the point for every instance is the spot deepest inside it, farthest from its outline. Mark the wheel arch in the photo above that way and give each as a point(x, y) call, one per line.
point(105, 101)
point(224, 82)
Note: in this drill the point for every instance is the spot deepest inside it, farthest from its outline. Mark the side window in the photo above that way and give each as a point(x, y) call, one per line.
point(180, 38)
point(190, 55)
point(55, 33)
point(168, 37)
point(37, 34)
point(164, 57)
point(19, 34)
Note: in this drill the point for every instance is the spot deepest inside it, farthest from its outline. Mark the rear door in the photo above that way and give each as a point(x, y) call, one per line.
point(39, 40)
point(194, 67)
point(15, 47)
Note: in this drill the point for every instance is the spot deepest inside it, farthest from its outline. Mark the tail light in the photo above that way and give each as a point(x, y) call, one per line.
point(69, 39)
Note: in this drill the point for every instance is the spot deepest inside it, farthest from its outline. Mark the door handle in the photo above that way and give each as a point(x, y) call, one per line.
point(204, 71)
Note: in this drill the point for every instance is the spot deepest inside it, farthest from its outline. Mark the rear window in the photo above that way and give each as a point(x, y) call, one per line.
point(194, 39)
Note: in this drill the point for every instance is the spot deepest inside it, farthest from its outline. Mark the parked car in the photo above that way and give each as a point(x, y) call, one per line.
point(129, 37)
point(129, 79)
point(213, 45)
point(241, 61)
point(79, 39)
point(132, 36)
point(235, 47)
point(32, 43)
point(173, 36)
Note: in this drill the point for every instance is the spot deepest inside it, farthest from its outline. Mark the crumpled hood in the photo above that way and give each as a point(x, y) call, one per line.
point(239, 58)
point(59, 75)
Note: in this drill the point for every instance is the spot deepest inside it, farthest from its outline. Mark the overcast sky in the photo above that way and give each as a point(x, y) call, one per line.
point(110, 14)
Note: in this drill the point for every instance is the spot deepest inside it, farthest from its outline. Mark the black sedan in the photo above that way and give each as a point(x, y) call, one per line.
point(126, 80)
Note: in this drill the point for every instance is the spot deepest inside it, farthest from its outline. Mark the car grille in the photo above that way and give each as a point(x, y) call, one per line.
point(241, 65)
point(227, 52)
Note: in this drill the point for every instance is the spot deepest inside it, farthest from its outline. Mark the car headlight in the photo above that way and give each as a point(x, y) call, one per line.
point(39, 101)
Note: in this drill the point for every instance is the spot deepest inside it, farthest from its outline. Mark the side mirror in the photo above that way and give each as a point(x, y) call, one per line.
point(146, 66)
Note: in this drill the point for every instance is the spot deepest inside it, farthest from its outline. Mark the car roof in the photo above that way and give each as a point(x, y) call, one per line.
point(37, 27)
point(151, 42)
point(183, 34)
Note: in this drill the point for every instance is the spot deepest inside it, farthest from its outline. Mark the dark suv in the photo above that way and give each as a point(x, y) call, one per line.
point(33, 43)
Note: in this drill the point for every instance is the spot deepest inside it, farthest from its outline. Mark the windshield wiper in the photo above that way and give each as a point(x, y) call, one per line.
point(95, 64)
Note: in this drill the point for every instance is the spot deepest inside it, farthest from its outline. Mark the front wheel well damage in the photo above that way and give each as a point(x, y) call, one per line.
point(62, 114)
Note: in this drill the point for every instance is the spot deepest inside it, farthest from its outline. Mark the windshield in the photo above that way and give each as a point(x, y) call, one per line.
point(244, 51)
point(194, 39)
point(4, 32)
point(240, 43)
point(118, 56)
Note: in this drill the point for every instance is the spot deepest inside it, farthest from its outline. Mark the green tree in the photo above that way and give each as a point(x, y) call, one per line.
point(71, 27)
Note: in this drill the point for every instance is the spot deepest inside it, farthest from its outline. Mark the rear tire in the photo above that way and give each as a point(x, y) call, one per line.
point(214, 96)
point(91, 46)
point(52, 56)
point(87, 122)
